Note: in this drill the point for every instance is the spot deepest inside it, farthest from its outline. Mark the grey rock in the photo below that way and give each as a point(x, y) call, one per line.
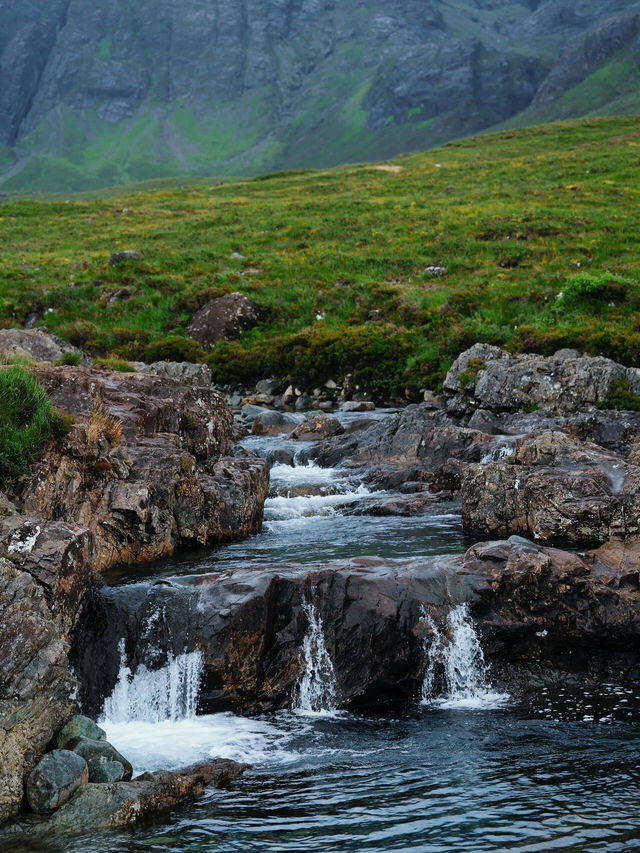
point(79, 726)
point(315, 427)
point(100, 756)
point(127, 255)
point(197, 375)
point(269, 386)
point(303, 403)
point(272, 423)
point(357, 406)
point(224, 318)
point(55, 779)
point(36, 344)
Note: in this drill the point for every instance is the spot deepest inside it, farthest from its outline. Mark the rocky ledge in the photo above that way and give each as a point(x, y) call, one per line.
point(146, 467)
point(533, 606)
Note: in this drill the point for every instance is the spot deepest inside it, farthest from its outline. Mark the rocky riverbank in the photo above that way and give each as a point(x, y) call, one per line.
point(529, 447)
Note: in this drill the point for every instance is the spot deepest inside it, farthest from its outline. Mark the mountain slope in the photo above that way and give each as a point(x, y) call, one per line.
point(97, 94)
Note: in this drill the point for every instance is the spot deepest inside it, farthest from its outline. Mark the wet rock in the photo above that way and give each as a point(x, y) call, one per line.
point(250, 624)
point(224, 318)
point(357, 406)
point(269, 386)
point(315, 427)
point(185, 372)
point(103, 760)
point(258, 400)
point(55, 779)
point(487, 377)
point(36, 344)
point(272, 423)
point(77, 727)
point(108, 806)
point(303, 403)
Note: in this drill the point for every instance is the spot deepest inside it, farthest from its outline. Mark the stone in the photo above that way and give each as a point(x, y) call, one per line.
point(315, 427)
point(224, 318)
point(272, 423)
point(36, 344)
point(55, 779)
point(269, 386)
point(126, 255)
point(185, 372)
point(357, 406)
point(120, 804)
point(303, 403)
point(489, 378)
point(79, 726)
point(100, 757)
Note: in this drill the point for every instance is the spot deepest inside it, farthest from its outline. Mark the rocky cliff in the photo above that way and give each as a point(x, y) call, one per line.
point(131, 89)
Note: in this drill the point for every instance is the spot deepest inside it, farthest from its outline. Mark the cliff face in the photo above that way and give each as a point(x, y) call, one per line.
point(128, 89)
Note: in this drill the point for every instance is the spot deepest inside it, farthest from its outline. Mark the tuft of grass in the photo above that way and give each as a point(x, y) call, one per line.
point(27, 422)
point(621, 397)
point(71, 358)
point(102, 424)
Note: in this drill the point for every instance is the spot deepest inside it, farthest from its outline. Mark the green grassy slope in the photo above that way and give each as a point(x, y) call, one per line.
point(517, 218)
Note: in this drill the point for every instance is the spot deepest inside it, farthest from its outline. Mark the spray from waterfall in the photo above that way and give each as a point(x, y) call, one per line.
point(456, 673)
point(167, 693)
point(317, 688)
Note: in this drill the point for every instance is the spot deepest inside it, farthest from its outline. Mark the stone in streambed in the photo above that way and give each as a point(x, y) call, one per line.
point(55, 779)
point(315, 427)
point(79, 727)
point(101, 757)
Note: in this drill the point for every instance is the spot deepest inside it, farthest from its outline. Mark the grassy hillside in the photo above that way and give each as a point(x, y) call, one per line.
point(538, 230)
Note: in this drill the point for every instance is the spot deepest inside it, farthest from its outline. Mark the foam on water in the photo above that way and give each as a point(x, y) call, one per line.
point(316, 692)
point(307, 506)
point(456, 675)
point(309, 474)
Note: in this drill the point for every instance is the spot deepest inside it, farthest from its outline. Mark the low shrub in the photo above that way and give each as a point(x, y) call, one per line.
point(621, 397)
point(27, 421)
point(71, 357)
point(175, 348)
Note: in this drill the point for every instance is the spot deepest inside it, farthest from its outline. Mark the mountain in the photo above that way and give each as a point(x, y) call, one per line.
point(122, 90)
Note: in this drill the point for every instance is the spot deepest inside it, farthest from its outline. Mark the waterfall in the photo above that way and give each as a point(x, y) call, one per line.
point(317, 687)
point(168, 693)
point(456, 675)
point(498, 453)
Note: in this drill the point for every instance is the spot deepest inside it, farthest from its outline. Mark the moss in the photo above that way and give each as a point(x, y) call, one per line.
point(469, 375)
point(175, 348)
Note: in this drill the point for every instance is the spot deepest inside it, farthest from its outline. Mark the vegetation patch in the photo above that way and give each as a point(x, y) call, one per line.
point(27, 421)
point(621, 397)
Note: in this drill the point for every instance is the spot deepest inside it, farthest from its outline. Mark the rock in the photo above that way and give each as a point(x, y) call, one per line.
point(315, 427)
point(485, 421)
point(303, 404)
point(258, 400)
point(126, 255)
point(108, 806)
point(530, 603)
point(196, 375)
point(272, 423)
point(357, 406)
point(101, 757)
point(330, 385)
point(36, 344)
point(250, 412)
point(487, 377)
point(79, 726)
point(326, 406)
point(269, 386)
point(224, 318)
point(55, 779)
point(32, 320)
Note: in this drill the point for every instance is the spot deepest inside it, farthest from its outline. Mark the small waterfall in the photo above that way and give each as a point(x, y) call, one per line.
point(317, 687)
point(498, 453)
point(168, 693)
point(456, 675)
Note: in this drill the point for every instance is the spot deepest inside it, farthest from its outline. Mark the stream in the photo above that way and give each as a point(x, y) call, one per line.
point(466, 768)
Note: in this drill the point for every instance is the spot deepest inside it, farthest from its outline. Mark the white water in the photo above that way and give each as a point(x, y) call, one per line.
point(498, 453)
point(317, 687)
point(168, 693)
point(456, 661)
point(311, 506)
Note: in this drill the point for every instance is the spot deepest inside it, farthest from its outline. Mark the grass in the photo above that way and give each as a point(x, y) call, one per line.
point(517, 218)
point(27, 421)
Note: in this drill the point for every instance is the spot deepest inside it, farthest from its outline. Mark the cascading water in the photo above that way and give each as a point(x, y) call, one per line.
point(168, 693)
point(317, 687)
point(456, 675)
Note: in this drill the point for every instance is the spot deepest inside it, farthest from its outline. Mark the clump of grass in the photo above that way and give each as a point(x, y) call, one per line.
point(102, 424)
point(621, 397)
point(70, 358)
point(27, 422)
point(116, 364)
point(469, 375)
point(175, 348)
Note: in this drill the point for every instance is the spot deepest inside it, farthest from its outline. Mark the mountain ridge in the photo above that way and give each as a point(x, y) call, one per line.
point(134, 89)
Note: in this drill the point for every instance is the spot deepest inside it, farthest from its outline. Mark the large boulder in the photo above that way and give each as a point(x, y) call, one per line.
point(55, 779)
point(36, 344)
point(489, 378)
point(224, 318)
point(186, 372)
point(314, 427)
point(77, 727)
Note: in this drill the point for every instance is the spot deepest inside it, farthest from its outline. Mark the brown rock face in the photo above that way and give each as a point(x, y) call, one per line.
point(144, 469)
point(34, 343)
point(224, 318)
